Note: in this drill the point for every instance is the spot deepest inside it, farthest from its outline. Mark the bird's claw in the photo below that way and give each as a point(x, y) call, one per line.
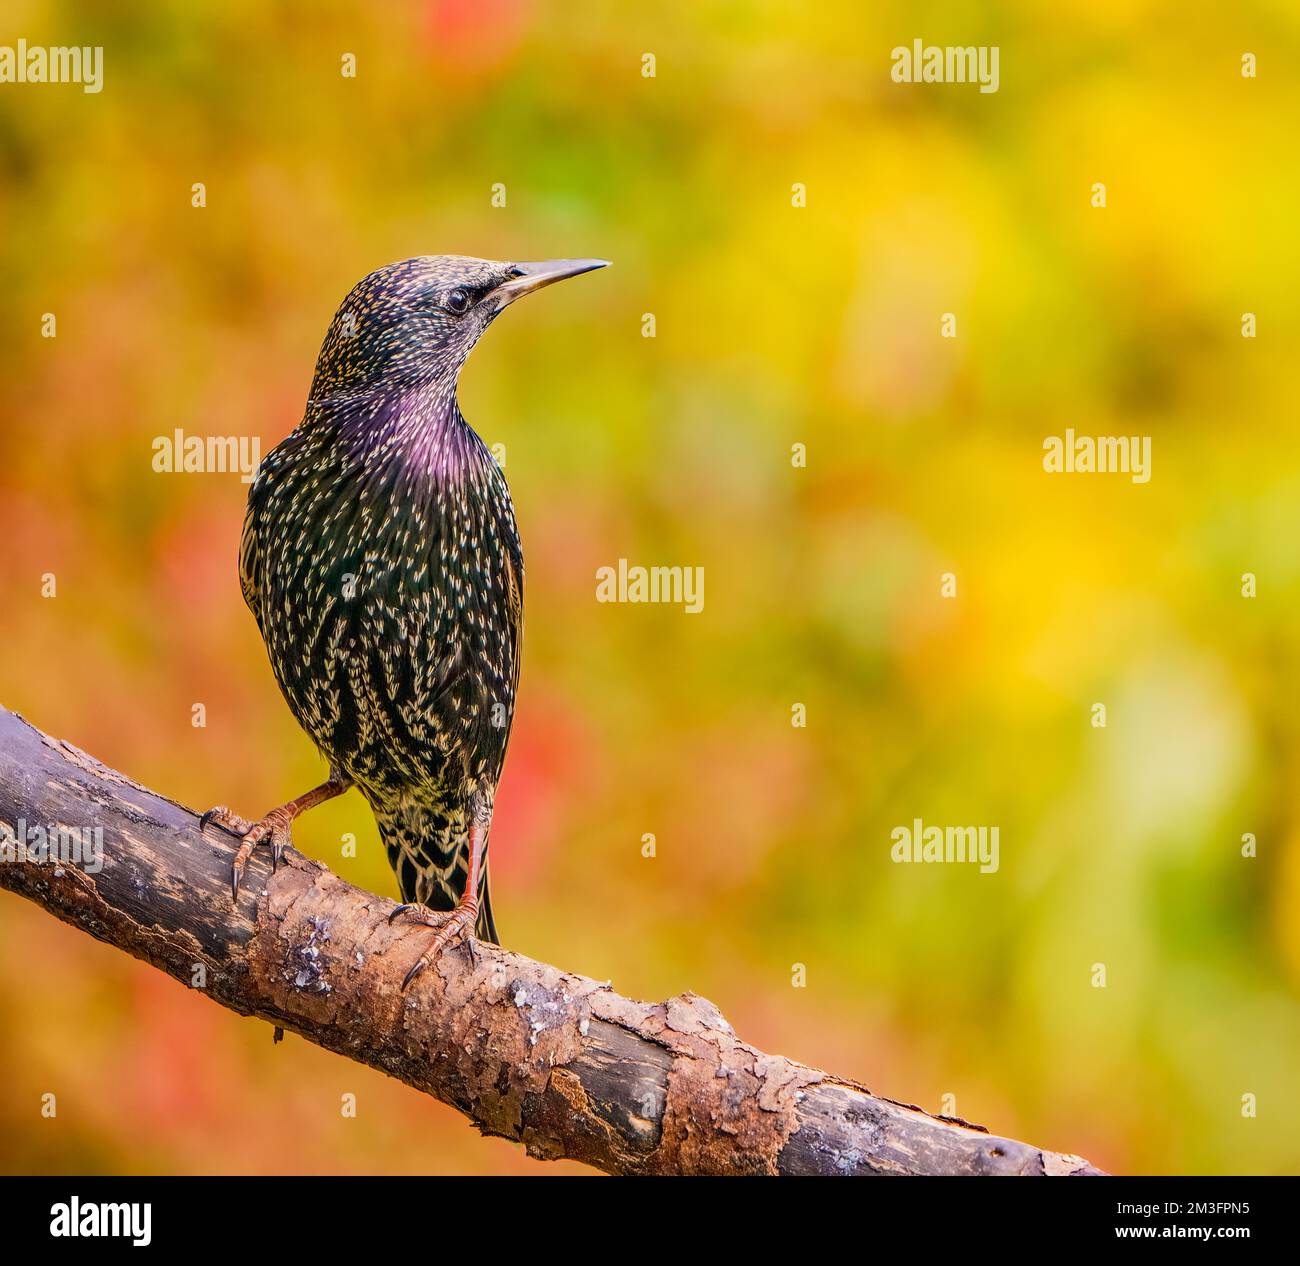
point(226, 819)
point(251, 834)
point(457, 929)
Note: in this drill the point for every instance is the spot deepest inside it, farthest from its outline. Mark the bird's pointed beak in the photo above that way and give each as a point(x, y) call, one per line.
point(534, 276)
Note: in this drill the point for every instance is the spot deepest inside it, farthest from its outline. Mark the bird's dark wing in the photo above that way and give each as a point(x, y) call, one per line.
point(248, 561)
point(280, 458)
point(514, 568)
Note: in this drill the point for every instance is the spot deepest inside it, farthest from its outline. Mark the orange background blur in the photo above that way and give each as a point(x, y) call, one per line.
point(775, 325)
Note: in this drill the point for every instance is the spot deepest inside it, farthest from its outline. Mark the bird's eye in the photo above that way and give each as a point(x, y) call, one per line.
point(458, 300)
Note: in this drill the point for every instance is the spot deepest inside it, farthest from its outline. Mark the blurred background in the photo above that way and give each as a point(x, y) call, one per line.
point(775, 325)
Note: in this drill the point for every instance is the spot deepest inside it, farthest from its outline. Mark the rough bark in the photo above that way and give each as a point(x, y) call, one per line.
point(557, 1062)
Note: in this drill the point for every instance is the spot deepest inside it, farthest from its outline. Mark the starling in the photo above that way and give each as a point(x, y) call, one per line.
point(382, 562)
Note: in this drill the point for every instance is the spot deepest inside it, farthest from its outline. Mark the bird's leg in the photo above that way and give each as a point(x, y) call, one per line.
point(275, 825)
point(458, 926)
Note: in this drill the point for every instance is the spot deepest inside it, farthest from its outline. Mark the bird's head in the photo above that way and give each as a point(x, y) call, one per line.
point(413, 323)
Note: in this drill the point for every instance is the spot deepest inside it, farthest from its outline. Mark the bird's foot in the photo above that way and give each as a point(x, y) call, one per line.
point(273, 828)
point(456, 928)
point(226, 819)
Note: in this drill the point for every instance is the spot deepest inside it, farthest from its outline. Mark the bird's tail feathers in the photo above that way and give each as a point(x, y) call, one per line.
point(429, 855)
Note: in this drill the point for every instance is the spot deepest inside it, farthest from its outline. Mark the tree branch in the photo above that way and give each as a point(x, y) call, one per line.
point(557, 1062)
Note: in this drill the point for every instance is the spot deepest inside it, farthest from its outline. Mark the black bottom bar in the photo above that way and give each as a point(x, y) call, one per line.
point(336, 1215)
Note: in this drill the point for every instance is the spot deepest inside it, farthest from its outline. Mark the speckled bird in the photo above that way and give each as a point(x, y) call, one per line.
point(382, 562)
